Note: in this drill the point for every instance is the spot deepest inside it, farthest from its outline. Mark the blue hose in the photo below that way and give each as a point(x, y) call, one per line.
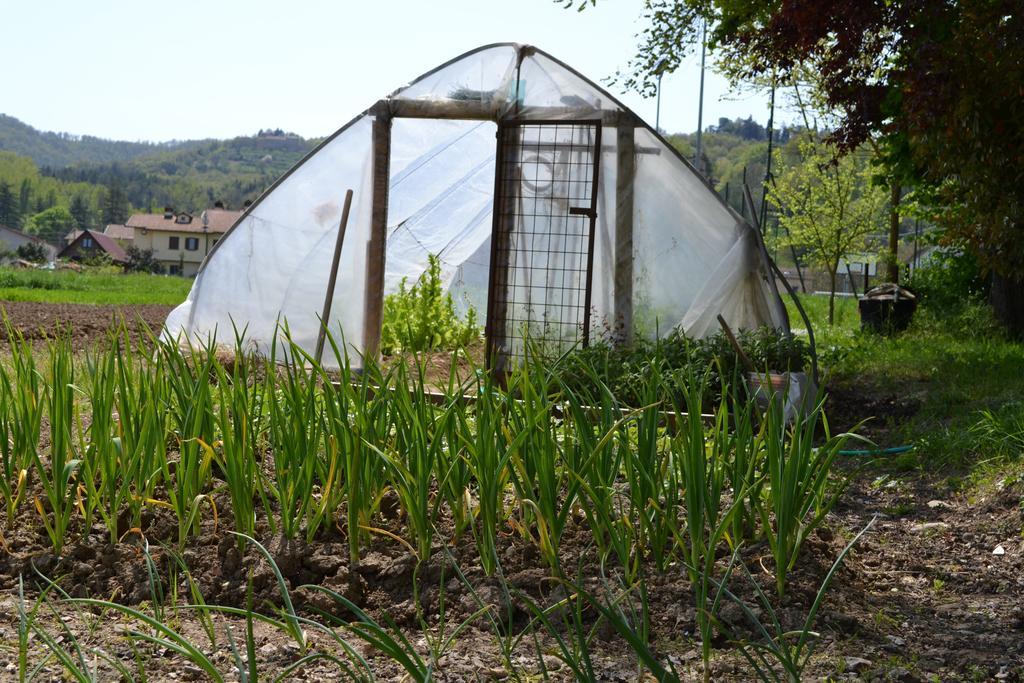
point(895, 450)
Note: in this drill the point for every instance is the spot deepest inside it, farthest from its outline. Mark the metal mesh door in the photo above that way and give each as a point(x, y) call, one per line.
point(543, 239)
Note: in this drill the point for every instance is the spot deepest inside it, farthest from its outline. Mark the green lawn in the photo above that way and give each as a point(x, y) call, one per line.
point(94, 286)
point(957, 367)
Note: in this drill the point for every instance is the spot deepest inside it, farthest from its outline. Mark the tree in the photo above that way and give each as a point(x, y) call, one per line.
point(9, 215)
point(51, 224)
point(829, 207)
point(115, 205)
point(24, 197)
point(936, 84)
point(82, 212)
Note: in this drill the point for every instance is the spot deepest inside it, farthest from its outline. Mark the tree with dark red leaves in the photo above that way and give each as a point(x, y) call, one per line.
point(937, 85)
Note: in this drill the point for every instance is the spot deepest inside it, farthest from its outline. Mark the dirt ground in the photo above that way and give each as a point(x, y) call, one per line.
point(933, 591)
point(86, 323)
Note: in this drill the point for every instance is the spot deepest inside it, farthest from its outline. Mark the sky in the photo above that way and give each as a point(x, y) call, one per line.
point(221, 68)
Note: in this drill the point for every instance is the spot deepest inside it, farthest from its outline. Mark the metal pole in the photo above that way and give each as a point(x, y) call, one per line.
point(853, 283)
point(657, 111)
point(768, 164)
point(917, 235)
point(333, 278)
point(698, 158)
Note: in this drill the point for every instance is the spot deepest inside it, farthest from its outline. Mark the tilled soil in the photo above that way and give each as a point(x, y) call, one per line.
point(923, 596)
point(85, 323)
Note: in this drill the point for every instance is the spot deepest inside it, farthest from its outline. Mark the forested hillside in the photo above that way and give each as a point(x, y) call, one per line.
point(733, 150)
point(195, 176)
point(63, 149)
point(53, 182)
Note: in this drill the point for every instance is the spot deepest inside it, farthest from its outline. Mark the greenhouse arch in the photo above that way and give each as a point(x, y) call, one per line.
point(553, 208)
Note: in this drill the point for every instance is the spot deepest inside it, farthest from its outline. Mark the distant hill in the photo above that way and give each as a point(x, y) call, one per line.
point(734, 151)
point(63, 149)
point(194, 175)
point(100, 180)
point(41, 170)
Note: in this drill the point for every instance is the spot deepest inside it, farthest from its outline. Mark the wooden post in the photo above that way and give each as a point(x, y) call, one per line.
point(332, 278)
point(506, 193)
point(623, 283)
point(375, 247)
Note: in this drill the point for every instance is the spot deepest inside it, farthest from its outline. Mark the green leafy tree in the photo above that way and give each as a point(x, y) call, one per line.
point(937, 85)
point(51, 224)
point(828, 206)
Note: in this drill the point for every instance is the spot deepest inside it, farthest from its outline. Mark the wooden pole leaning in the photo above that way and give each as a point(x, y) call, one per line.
point(333, 278)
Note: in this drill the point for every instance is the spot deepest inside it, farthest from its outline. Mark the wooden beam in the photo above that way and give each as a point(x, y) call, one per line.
point(623, 282)
point(494, 110)
point(375, 247)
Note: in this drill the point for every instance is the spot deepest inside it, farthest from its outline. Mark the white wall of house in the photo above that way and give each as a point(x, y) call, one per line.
point(180, 253)
point(10, 240)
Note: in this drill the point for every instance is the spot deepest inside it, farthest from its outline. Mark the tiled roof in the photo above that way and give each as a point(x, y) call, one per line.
point(119, 232)
point(219, 221)
point(19, 233)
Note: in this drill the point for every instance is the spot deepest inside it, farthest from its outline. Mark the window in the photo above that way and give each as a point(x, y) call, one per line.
point(174, 269)
point(191, 243)
point(172, 242)
point(88, 243)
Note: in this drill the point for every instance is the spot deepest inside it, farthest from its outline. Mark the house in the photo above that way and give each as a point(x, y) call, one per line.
point(179, 240)
point(92, 244)
point(11, 239)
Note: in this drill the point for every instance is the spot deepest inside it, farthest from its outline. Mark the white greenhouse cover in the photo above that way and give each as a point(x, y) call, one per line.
point(693, 257)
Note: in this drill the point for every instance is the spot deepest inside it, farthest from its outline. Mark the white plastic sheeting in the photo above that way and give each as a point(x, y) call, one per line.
point(693, 257)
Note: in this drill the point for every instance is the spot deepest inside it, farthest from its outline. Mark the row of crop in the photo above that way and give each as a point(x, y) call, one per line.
point(296, 446)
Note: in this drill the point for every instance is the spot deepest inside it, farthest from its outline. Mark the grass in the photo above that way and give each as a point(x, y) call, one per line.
point(92, 286)
point(955, 368)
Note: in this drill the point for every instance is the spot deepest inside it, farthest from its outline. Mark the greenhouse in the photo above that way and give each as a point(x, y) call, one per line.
point(556, 213)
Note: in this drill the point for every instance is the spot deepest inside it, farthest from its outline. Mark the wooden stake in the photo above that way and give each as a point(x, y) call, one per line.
point(744, 358)
point(333, 278)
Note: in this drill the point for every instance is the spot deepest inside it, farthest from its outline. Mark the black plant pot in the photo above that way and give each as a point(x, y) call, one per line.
point(887, 309)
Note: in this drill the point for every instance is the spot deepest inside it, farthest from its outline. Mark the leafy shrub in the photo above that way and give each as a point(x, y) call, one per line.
point(951, 279)
point(141, 261)
point(99, 259)
point(32, 251)
point(423, 317)
point(626, 369)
